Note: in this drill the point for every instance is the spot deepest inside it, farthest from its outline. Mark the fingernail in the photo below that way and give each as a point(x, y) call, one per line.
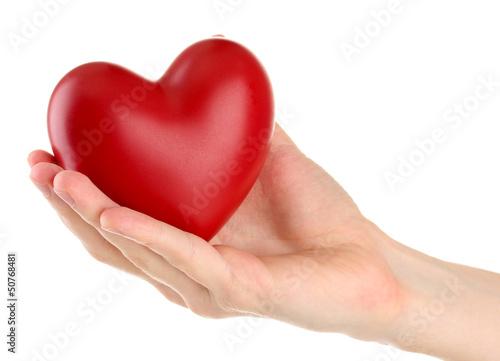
point(66, 197)
point(114, 230)
point(43, 188)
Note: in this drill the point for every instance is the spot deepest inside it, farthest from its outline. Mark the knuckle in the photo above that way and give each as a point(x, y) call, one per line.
point(205, 306)
point(193, 250)
point(198, 308)
point(162, 233)
point(98, 256)
point(205, 312)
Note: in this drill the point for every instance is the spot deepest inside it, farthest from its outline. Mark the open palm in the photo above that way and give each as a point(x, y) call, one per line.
point(297, 249)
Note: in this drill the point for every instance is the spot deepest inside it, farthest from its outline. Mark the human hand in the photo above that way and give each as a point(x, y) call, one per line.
point(297, 249)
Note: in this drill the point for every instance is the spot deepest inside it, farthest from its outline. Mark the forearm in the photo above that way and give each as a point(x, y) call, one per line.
point(451, 311)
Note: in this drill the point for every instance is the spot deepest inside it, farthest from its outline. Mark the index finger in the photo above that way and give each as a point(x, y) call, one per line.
point(185, 251)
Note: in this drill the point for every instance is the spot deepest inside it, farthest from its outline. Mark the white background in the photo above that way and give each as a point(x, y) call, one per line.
point(354, 118)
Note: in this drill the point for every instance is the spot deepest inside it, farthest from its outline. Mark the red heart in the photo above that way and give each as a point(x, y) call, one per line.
point(185, 149)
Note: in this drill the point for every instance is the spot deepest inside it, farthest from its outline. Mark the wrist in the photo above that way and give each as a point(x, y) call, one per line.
point(447, 308)
point(430, 289)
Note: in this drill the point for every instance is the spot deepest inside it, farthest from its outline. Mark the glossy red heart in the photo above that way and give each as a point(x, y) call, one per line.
point(185, 149)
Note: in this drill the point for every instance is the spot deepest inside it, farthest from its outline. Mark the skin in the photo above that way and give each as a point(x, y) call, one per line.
point(297, 250)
